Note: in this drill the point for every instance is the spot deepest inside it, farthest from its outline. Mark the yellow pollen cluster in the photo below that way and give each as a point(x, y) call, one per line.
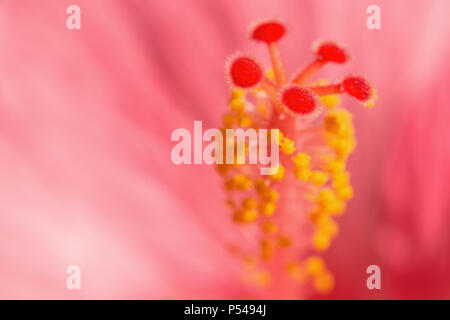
point(287, 146)
point(277, 173)
point(331, 199)
point(254, 199)
point(237, 115)
point(339, 132)
point(268, 198)
point(313, 268)
point(303, 172)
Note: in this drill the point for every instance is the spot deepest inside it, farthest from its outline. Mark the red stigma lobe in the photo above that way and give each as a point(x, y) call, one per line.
point(299, 100)
point(330, 52)
point(245, 72)
point(357, 87)
point(270, 31)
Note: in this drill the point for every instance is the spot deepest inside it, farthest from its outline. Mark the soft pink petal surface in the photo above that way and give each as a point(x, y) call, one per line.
point(85, 124)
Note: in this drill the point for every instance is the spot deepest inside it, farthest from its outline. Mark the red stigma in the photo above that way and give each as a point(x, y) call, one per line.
point(357, 87)
point(330, 52)
point(244, 72)
point(269, 31)
point(294, 95)
point(299, 100)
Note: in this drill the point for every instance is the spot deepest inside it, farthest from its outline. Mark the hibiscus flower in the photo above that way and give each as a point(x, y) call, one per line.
point(86, 118)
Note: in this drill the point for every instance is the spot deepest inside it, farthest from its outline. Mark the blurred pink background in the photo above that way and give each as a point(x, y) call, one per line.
point(85, 123)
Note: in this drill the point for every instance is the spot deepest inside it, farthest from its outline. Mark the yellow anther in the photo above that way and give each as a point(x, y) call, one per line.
point(267, 208)
point(339, 122)
point(245, 120)
point(262, 278)
point(321, 240)
point(319, 178)
point(335, 166)
point(337, 208)
point(324, 282)
point(287, 146)
point(277, 173)
point(296, 272)
point(314, 265)
point(228, 120)
point(242, 182)
point(332, 123)
point(344, 147)
point(341, 179)
point(325, 196)
point(260, 186)
point(329, 202)
point(301, 160)
point(345, 192)
point(237, 105)
point(269, 227)
point(261, 107)
point(331, 100)
point(341, 183)
point(327, 225)
point(249, 203)
point(284, 241)
point(266, 249)
point(302, 174)
point(246, 215)
point(237, 93)
point(270, 195)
